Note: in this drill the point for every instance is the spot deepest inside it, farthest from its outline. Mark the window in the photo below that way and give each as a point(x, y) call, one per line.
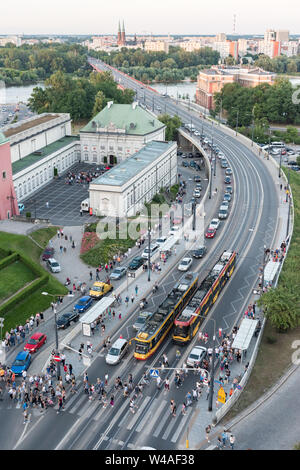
point(4, 175)
point(86, 157)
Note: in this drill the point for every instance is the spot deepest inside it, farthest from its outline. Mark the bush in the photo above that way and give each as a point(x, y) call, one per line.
point(28, 215)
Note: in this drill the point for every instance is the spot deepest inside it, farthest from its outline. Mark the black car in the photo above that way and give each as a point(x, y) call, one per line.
point(66, 318)
point(186, 164)
point(199, 252)
point(136, 263)
point(197, 179)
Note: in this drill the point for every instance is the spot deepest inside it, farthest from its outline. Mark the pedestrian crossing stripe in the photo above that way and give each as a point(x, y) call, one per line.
point(154, 373)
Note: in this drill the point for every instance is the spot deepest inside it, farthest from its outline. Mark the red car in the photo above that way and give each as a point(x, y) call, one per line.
point(177, 220)
point(210, 233)
point(35, 342)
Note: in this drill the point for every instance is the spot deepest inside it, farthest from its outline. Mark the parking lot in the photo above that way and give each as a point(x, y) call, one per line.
point(60, 202)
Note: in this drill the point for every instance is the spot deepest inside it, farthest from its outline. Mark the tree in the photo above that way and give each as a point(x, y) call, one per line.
point(281, 307)
point(100, 103)
point(172, 123)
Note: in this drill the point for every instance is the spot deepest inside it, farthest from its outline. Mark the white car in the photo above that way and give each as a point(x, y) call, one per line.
point(196, 193)
point(214, 224)
point(196, 133)
point(174, 230)
point(185, 264)
point(161, 240)
point(53, 265)
point(196, 355)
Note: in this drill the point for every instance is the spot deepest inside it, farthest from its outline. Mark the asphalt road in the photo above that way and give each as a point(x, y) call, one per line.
point(251, 224)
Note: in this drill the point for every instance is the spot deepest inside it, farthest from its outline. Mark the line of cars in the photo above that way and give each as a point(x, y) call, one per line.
point(24, 358)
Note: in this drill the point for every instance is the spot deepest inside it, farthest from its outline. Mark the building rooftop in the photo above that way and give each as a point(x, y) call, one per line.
point(29, 123)
point(126, 170)
point(131, 118)
point(42, 153)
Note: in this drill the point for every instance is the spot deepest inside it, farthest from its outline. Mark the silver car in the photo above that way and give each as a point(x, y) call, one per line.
point(117, 273)
point(196, 356)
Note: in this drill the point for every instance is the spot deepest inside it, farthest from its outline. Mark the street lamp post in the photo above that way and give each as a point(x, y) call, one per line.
point(149, 242)
point(279, 174)
point(56, 330)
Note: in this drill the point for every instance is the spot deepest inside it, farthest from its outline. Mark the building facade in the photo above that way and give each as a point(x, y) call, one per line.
point(8, 199)
point(38, 146)
point(156, 46)
point(213, 80)
point(123, 190)
point(117, 132)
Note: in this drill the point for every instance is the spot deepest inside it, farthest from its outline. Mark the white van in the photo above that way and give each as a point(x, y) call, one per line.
point(85, 205)
point(117, 351)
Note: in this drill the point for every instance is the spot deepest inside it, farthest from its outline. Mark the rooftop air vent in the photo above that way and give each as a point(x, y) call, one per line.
point(132, 125)
point(94, 124)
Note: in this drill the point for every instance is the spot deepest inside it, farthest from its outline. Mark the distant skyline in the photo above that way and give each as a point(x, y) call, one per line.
point(162, 17)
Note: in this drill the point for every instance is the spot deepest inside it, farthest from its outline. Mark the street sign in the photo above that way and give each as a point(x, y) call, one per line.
point(57, 358)
point(221, 395)
point(131, 274)
point(154, 373)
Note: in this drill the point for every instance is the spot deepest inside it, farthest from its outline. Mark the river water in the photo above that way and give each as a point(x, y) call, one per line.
point(15, 94)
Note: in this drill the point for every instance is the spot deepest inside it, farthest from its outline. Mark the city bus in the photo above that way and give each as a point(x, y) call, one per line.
point(189, 320)
point(152, 334)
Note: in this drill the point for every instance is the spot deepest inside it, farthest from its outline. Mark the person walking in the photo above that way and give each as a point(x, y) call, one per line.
point(224, 437)
point(207, 433)
point(136, 290)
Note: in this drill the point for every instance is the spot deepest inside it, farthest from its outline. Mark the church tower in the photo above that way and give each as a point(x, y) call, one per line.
point(119, 35)
point(123, 38)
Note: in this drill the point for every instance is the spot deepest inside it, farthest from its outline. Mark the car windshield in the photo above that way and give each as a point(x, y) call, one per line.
point(194, 356)
point(97, 289)
point(185, 261)
point(83, 301)
point(113, 352)
point(54, 264)
point(117, 270)
point(19, 362)
point(33, 341)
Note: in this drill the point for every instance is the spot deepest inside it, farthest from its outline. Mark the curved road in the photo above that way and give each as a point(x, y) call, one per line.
point(251, 224)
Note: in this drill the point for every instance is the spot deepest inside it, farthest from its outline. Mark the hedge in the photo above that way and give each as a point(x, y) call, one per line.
point(17, 298)
point(9, 260)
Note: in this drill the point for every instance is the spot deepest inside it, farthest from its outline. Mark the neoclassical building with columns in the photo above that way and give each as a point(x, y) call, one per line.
point(117, 132)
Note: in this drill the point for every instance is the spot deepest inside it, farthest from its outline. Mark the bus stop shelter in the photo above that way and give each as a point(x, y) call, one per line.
point(100, 308)
point(167, 246)
point(244, 334)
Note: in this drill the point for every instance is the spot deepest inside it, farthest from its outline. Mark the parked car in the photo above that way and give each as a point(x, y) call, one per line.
point(83, 304)
point(227, 180)
point(227, 197)
point(65, 319)
point(136, 263)
point(118, 273)
point(185, 264)
point(35, 342)
point(48, 253)
point(161, 240)
point(225, 203)
point(176, 221)
point(53, 265)
point(21, 362)
point(185, 164)
point(211, 232)
point(196, 356)
point(229, 189)
point(199, 252)
point(292, 163)
point(228, 171)
point(153, 248)
point(141, 320)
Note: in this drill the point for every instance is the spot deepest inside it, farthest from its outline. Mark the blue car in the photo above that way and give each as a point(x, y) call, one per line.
point(83, 304)
point(21, 363)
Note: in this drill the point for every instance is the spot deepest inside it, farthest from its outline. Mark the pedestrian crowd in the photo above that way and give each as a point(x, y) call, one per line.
point(39, 391)
point(82, 177)
point(17, 335)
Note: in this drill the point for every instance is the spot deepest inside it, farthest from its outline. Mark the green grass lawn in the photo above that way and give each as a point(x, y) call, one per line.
point(43, 235)
point(14, 277)
point(36, 302)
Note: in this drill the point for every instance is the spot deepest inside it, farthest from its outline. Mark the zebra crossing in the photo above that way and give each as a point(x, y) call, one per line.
point(152, 419)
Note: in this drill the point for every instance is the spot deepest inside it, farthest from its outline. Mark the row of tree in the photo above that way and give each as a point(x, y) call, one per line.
point(259, 105)
point(151, 74)
point(40, 61)
point(81, 97)
point(280, 64)
point(175, 58)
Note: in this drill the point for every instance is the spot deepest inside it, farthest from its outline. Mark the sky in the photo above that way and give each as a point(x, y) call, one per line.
point(155, 16)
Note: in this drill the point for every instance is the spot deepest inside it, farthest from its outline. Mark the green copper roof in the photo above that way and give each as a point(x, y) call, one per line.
point(133, 119)
point(3, 139)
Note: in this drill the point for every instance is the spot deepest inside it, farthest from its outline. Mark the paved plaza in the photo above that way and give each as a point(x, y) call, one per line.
point(60, 202)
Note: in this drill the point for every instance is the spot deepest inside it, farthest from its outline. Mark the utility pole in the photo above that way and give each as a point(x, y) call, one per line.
point(210, 182)
point(212, 373)
point(149, 242)
point(289, 199)
point(279, 174)
point(194, 216)
point(263, 270)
